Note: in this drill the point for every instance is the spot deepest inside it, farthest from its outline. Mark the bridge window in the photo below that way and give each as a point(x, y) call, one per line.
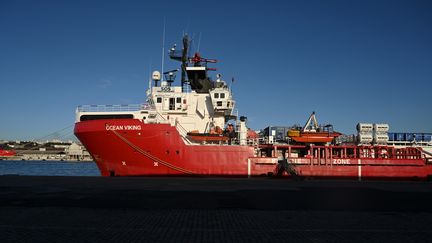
point(216, 95)
point(222, 95)
point(159, 100)
point(178, 100)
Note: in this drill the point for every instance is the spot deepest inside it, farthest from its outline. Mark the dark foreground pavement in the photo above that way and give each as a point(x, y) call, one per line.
point(97, 209)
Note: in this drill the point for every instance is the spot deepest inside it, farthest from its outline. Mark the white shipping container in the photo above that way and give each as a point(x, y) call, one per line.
point(381, 138)
point(365, 138)
point(381, 127)
point(364, 127)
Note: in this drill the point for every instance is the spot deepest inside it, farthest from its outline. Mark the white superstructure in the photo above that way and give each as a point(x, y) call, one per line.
point(199, 105)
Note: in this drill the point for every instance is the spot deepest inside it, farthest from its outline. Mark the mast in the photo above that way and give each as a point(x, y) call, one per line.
point(184, 60)
point(163, 48)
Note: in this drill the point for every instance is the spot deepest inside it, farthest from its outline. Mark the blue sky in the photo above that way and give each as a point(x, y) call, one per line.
point(350, 61)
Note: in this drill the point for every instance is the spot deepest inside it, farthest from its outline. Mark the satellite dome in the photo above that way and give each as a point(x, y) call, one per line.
point(156, 76)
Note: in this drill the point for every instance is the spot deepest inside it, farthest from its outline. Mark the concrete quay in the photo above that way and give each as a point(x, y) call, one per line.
point(146, 209)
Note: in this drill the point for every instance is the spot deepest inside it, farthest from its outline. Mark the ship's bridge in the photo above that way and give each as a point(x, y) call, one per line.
point(221, 97)
point(221, 100)
point(169, 98)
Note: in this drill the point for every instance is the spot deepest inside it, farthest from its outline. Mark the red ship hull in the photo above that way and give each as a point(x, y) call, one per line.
point(128, 147)
point(156, 149)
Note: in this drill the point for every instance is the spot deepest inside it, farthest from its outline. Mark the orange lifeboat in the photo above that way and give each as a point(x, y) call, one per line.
point(211, 137)
point(207, 137)
point(312, 133)
point(316, 137)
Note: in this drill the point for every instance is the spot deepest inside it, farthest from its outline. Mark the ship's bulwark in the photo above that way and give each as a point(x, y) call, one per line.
point(128, 147)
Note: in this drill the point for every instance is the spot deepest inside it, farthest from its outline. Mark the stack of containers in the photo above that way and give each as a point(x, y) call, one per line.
point(410, 137)
point(407, 137)
point(418, 137)
point(427, 137)
point(380, 133)
point(391, 136)
point(400, 137)
point(365, 133)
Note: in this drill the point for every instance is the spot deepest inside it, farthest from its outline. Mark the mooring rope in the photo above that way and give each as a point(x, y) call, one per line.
point(150, 156)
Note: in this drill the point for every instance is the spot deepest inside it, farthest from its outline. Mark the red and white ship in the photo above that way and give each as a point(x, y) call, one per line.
point(191, 130)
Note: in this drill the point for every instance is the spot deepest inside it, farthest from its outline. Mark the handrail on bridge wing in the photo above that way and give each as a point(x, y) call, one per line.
point(112, 108)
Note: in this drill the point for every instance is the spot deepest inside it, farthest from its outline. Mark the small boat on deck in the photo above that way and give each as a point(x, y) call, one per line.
point(207, 137)
point(313, 133)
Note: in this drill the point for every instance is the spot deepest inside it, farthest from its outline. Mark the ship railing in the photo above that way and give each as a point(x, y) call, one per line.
point(426, 155)
point(156, 118)
point(162, 118)
point(113, 108)
point(252, 142)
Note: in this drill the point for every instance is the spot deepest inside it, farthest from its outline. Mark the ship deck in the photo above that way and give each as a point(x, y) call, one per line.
point(139, 209)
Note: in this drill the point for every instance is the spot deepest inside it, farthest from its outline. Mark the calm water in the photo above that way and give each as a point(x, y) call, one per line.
point(48, 168)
